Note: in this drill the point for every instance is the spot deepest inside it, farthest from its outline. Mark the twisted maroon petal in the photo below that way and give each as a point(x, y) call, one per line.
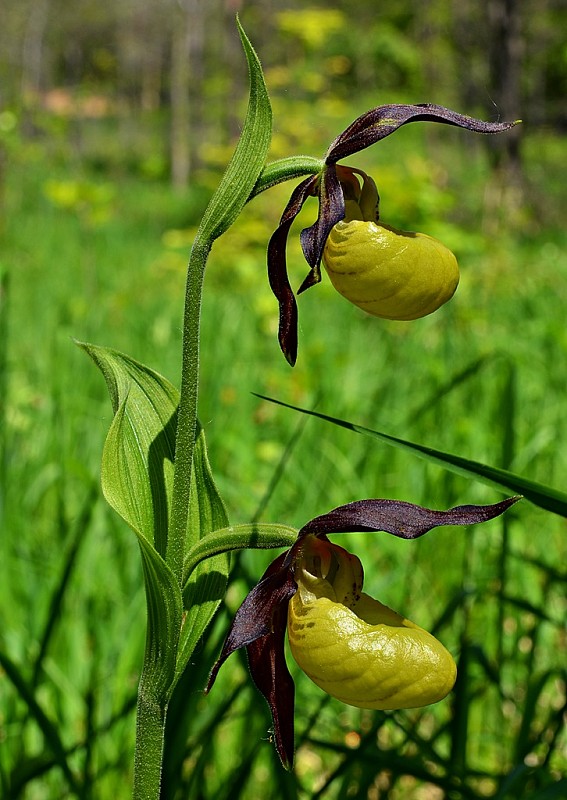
point(331, 211)
point(266, 657)
point(277, 269)
point(399, 518)
point(380, 122)
point(258, 614)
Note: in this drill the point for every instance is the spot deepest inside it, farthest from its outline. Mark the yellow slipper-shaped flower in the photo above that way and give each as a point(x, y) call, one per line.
point(390, 273)
point(352, 646)
point(355, 648)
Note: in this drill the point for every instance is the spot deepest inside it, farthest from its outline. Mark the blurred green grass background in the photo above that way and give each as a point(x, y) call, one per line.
point(94, 244)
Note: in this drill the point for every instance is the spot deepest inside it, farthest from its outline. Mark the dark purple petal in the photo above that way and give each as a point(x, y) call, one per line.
point(399, 518)
point(331, 211)
point(266, 657)
point(384, 120)
point(277, 269)
point(258, 614)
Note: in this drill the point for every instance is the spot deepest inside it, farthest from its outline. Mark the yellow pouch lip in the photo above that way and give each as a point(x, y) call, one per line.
point(390, 273)
point(367, 655)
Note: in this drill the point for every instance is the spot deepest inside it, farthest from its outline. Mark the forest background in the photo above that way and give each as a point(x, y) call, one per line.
point(116, 121)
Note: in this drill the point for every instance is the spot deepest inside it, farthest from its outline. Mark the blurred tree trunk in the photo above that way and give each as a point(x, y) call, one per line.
point(186, 81)
point(506, 52)
point(33, 72)
point(151, 75)
point(505, 197)
point(489, 44)
point(230, 121)
point(33, 47)
point(468, 21)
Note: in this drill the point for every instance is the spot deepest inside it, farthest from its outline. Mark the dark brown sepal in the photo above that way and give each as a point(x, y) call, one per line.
point(402, 519)
point(266, 657)
point(331, 211)
point(380, 122)
point(256, 616)
point(277, 269)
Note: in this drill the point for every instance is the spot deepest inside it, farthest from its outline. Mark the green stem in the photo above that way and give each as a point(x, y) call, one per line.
point(152, 705)
point(243, 178)
point(150, 736)
point(274, 173)
point(285, 169)
point(265, 536)
point(187, 414)
point(152, 712)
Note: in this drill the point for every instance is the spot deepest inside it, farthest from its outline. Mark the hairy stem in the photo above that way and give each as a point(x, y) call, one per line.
point(150, 733)
point(187, 414)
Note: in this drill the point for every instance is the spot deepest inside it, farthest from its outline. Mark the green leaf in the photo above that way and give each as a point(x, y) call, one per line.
point(206, 510)
point(137, 475)
point(137, 481)
point(164, 604)
point(206, 568)
point(249, 156)
point(137, 461)
point(538, 493)
point(207, 584)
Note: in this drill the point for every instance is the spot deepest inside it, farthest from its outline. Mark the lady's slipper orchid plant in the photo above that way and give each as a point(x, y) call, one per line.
point(349, 644)
point(388, 273)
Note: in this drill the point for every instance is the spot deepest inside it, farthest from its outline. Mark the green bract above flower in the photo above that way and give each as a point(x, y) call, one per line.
point(349, 644)
point(427, 273)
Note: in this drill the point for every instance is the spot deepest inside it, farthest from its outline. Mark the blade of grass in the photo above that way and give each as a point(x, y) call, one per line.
point(48, 728)
point(460, 717)
point(36, 767)
point(553, 574)
point(27, 770)
point(529, 732)
point(507, 409)
point(456, 380)
point(392, 762)
point(514, 780)
point(54, 614)
point(199, 747)
point(279, 470)
point(555, 726)
point(539, 494)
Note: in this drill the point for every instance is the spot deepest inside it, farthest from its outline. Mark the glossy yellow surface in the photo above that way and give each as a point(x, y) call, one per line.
point(355, 648)
point(390, 273)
